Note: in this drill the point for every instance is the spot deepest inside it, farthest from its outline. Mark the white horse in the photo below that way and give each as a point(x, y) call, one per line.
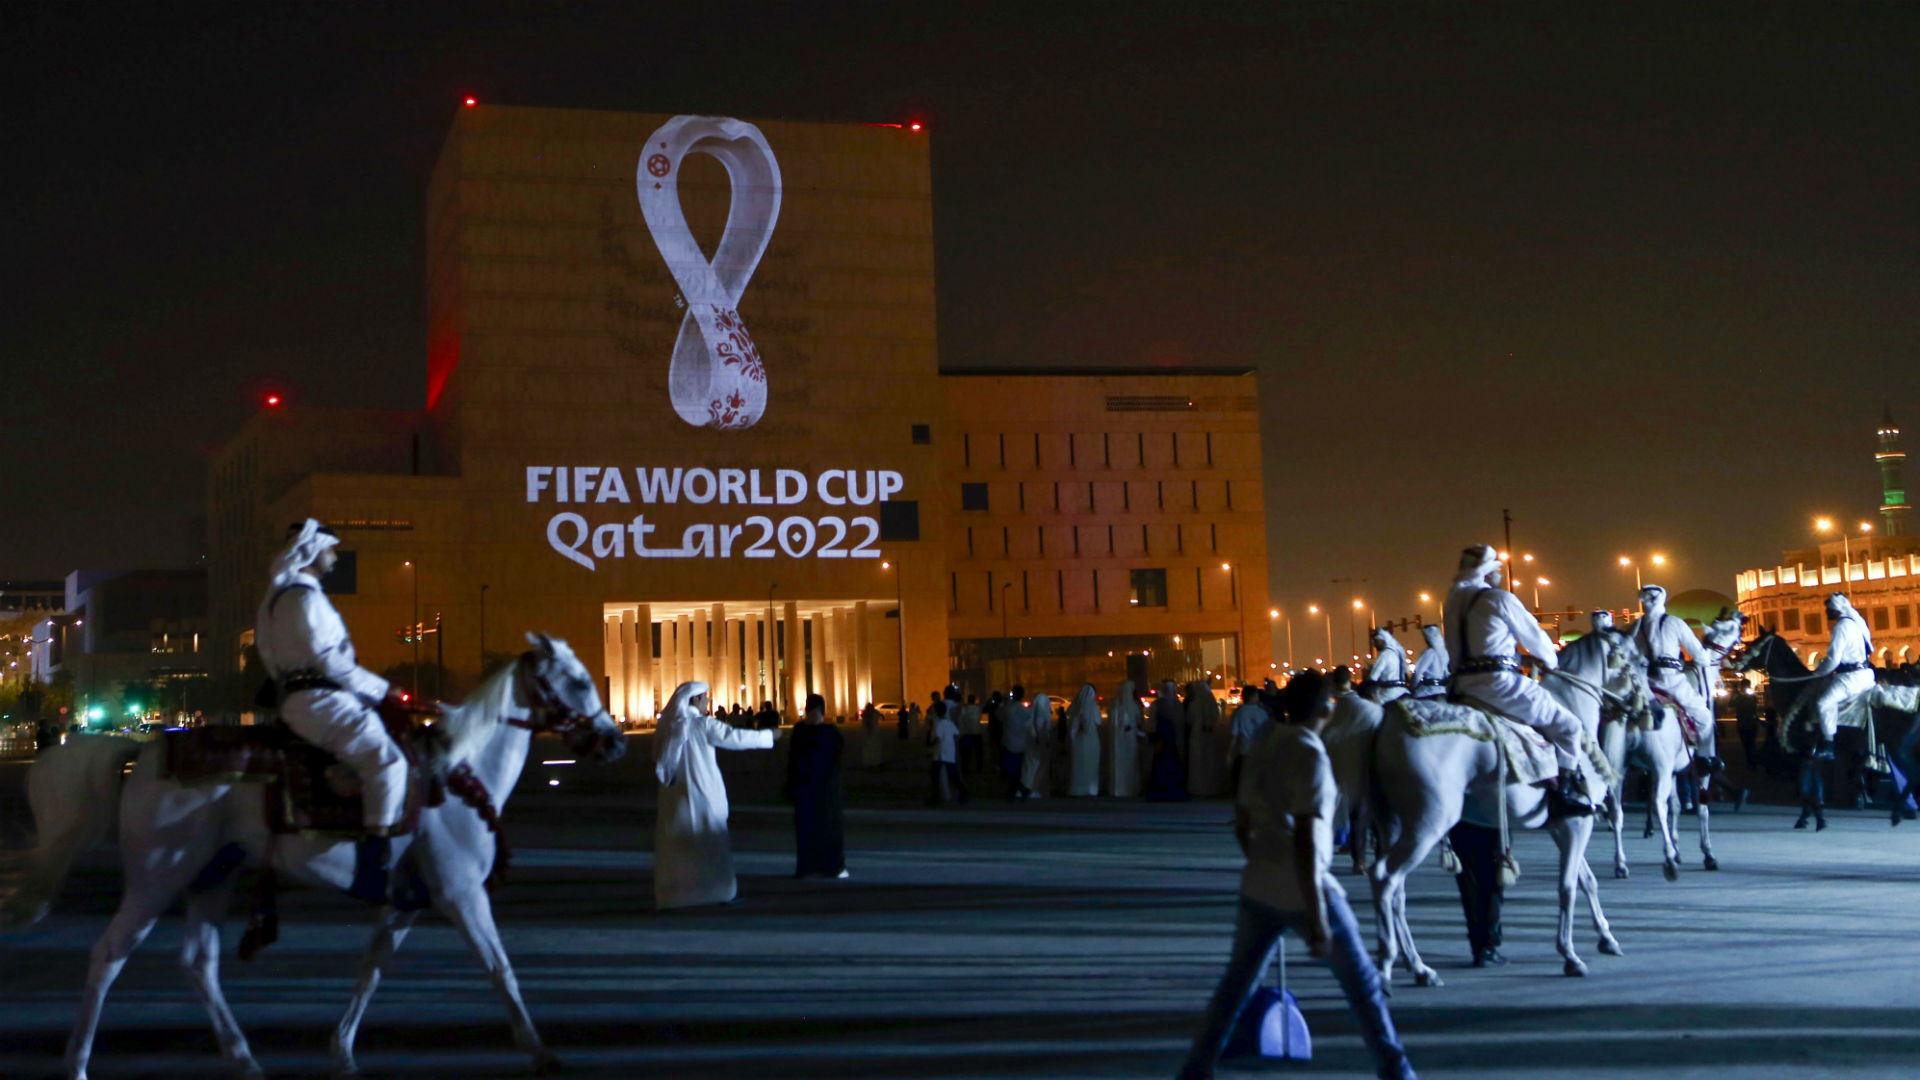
point(1663, 751)
point(1422, 784)
point(170, 834)
point(1349, 740)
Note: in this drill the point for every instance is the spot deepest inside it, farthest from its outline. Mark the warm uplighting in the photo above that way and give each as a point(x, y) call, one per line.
point(1542, 581)
point(1866, 527)
point(1659, 560)
point(1823, 524)
point(884, 565)
point(1359, 604)
point(1426, 598)
point(1226, 566)
point(408, 563)
point(1273, 613)
point(1313, 609)
point(1526, 558)
point(1624, 561)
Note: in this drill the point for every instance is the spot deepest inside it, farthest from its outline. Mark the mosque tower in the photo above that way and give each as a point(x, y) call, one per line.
point(1893, 490)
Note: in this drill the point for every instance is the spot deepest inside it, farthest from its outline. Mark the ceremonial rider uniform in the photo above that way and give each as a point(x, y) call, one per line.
point(1486, 626)
point(326, 697)
point(1679, 666)
point(1847, 668)
point(1431, 670)
point(1387, 676)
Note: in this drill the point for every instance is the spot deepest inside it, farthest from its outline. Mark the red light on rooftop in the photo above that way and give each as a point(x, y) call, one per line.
point(272, 401)
point(915, 126)
point(471, 102)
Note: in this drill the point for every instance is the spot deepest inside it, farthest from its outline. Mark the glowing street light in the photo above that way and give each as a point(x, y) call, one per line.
point(1274, 613)
point(1537, 582)
point(1846, 552)
point(1314, 609)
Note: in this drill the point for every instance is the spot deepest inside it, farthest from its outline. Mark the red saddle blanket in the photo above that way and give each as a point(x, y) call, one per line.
point(300, 795)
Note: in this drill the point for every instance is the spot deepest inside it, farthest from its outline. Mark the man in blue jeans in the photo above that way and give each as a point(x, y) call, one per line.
point(1284, 822)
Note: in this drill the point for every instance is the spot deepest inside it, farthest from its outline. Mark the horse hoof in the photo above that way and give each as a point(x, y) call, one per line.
point(1711, 863)
point(1620, 872)
point(1427, 978)
point(547, 1063)
point(1575, 969)
point(1672, 870)
point(1648, 835)
point(1611, 947)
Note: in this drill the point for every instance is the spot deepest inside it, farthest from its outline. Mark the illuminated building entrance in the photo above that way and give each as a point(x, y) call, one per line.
point(750, 651)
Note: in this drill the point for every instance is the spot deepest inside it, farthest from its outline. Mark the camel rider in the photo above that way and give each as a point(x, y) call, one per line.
point(1687, 683)
point(1387, 675)
point(1486, 625)
point(327, 698)
point(1846, 670)
point(1430, 671)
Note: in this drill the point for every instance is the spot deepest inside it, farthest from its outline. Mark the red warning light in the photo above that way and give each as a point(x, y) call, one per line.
point(273, 401)
point(915, 126)
point(471, 102)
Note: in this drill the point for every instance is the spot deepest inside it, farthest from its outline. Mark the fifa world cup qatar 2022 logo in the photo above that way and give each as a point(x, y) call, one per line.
point(717, 378)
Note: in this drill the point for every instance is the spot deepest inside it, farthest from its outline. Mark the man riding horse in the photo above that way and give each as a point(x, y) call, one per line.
point(1486, 625)
point(1680, 670)
point(1430, 671)
point(1387, 676)
point(1847, 670)
point(327, 698)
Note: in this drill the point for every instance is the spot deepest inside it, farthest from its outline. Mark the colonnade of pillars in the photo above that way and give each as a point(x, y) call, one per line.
point(826, 650)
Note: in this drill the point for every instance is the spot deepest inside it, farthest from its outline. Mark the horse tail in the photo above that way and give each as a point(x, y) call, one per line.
point(74, 791)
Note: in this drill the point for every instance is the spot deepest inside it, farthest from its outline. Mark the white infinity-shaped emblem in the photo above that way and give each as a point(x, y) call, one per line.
point(717, 378)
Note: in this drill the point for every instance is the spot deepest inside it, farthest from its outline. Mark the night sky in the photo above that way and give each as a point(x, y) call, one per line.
point(1644, 277)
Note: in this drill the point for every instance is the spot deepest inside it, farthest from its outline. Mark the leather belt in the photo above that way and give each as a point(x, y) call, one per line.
point(296, 683)
point(1385, 682)
point(1856, 665)
point(1671, 663)
point(1487, 664)
point(1432, 682)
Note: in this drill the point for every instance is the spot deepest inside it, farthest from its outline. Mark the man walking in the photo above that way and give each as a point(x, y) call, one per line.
point(1284, 822)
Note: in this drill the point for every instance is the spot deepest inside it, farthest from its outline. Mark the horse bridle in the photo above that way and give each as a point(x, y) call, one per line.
point(546, 712)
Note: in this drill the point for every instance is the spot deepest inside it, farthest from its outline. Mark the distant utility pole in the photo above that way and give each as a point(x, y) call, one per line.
point(1506, 523)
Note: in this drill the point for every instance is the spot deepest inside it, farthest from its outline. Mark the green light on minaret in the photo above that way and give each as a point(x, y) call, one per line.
point(1893, 489)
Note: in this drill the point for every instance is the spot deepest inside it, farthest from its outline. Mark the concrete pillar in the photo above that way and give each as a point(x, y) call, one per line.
point(646, 702)
point(752, 658)
point(683, 651)
point(726, 675)
point(862, 656)
point(703, 653)
point(614, 648)
point(794, 676)
point(843, 681)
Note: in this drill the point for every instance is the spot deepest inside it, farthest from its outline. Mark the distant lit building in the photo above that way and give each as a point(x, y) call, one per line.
point(747, 467)
point(1879, 565)
point(127, 640)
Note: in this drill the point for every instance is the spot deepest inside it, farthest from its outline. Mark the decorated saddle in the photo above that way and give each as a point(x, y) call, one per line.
point(1529, 755)
point(307, 789)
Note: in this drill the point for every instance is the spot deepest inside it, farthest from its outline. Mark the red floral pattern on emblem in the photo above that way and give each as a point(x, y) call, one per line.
point(735, 347)
point(730, 413)
point(658, 165)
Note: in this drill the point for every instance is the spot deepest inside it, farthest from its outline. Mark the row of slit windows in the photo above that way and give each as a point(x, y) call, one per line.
point(1126, 450)
point(1881, 617)
point(1089, 540)
point(1076, 590)
point(1064, 496)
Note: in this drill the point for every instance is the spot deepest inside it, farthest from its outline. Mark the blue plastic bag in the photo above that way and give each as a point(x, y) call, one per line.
point(1271, 1026)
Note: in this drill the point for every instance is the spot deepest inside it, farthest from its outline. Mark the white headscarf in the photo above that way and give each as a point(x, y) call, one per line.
point(1477, 562)
point(1126, 706)
point(1085, 707)
point(1203, 712)
point(677, 722)
point(1436, 638)
point(306, 546)
point(1040, 715)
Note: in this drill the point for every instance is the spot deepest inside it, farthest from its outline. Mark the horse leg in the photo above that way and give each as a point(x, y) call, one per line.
point(1609, 944)
point(472, 912)
point(1389, 944)
point(200, 957)
point(389, 930)
point(1662, 792)
point(1617, 817)
point(139, 910)
point(1706, 834)
point(1406, 852)
point(1566, 835)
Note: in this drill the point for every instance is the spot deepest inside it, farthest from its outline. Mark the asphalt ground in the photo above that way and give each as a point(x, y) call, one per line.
point(1063, 938)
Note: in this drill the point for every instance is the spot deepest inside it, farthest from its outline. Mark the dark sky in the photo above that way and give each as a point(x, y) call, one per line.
point(1645, 277)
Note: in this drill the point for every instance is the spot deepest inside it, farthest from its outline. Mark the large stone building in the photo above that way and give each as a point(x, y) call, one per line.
point(1878, 566)
point(685, 410)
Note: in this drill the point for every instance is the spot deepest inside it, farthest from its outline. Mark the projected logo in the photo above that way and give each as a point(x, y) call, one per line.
point(717, 378)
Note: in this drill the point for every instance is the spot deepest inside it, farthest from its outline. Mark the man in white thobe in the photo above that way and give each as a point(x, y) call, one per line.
point(1430, 671)
point(1678, 669)
point(1387, 676)
point(327, 698)
point(1250, 718)
point(1015, 734)
point(1486, 628)
point(1846, 670)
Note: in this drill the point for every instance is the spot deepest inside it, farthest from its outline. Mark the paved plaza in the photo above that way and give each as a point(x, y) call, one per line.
point(1066, 938)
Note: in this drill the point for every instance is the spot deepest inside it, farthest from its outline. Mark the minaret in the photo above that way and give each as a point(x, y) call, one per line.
point(1893, 490)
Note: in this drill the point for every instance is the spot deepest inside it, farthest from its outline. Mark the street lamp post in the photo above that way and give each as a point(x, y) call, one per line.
point(413, 631)
point(1846, 550)
point(1314, 609)
point(1537, 582)
point(1275, 614)
point(1240, 650)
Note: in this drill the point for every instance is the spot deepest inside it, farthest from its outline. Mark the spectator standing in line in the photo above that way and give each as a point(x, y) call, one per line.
point(944, 737)
point(1283, 820)
point(1015, 734)
point(968, 724)
point(813, 783)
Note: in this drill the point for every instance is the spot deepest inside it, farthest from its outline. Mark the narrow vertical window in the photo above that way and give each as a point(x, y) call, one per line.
point(1142, 437)
point(1003, 449)
point(1160, 486)
point(1040, 531)
point(1026, 599)
point(1106, 450)
point(1227, 485)
point(1076, 540)
point(1092, 506)
point(1199, 589)
point(989, 590)
point(1126, 495)
point(969, 541)
point(1213, 532)
point(1196, 495)
point(1036, 449)
point(1175, 438)
point(1096, 590)
point(1180, 538)
point(1056, 496)
point(1110, 550)
point(1145, 548)
point(1021, 493)
point(966, 450)
point(953, 583)
point(1006, 540)
point(1073, 456)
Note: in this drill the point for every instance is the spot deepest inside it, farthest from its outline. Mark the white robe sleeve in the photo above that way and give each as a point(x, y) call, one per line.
point(728, 737)
point(313, 635)
point(1526, 630)
point(1690, 643)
